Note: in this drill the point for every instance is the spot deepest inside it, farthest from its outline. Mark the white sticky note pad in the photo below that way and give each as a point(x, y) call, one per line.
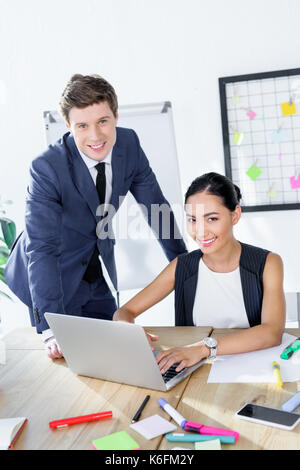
point(215, 444)
point(153, 426)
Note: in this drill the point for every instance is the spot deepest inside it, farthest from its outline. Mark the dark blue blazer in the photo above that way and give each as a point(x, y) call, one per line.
point(50, 257)
point(252, 263)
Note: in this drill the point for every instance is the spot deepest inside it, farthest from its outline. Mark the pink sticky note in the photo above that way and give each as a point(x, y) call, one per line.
point(251, 114)
point(295, 183)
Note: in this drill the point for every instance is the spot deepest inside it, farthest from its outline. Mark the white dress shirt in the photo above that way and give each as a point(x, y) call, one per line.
point(90, 163)
point(219, 299)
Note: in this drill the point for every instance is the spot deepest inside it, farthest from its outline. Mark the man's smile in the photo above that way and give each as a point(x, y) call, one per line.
point(97, 147)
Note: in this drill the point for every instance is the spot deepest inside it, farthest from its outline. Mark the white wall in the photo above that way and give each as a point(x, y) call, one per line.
point(150, 51)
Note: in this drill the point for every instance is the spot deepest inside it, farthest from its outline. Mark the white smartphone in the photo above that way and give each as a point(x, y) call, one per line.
point(269, 416)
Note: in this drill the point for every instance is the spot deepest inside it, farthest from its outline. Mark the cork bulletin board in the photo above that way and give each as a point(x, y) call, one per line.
point(261, 137)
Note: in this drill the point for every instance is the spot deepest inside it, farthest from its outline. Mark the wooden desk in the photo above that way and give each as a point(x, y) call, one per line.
point(43, 390)
point(215, 405)
point(34, 386)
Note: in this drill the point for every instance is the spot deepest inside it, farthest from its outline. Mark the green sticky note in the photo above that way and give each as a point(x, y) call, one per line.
point(117, 441)
point(238, 138)
point(215, 444)
point(254, 172)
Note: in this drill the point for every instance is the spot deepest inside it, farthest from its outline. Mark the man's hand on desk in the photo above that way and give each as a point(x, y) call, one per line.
point(52, 348)
point(186, 356)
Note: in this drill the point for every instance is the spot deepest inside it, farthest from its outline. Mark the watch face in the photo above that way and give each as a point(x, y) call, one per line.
point(211, 342)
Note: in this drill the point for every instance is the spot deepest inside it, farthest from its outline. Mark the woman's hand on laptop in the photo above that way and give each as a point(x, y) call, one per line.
point(151, 338)
point(53, 349)
point(185, 356)
point(122, 314)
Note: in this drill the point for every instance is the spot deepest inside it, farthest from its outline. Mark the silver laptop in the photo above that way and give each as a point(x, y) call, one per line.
point(113, 351)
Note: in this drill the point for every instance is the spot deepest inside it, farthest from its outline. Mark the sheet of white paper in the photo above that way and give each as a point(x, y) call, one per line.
point(153, 426)
point(256, 366)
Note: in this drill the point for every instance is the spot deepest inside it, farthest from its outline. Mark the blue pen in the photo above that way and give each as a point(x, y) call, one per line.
point(190, 437)
point(292, 403)
point(178, 418)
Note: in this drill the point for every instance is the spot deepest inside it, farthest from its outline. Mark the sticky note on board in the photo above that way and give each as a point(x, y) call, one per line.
point(295, 182)
point(117, 441)
point(153, 426)
point(238, 138)
point(272, 192)
point(251, 114)
point(214, 444)
point(235, 99)
point(278, 136)
point(254, 172)
point(288, 108)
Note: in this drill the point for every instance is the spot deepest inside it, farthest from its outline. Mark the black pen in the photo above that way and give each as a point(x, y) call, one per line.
point(139, 411)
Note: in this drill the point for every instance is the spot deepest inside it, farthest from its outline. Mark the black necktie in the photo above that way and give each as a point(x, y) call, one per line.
point(94, 270)
point(101, 182)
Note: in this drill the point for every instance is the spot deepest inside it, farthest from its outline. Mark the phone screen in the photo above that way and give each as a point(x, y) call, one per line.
point(270, 415)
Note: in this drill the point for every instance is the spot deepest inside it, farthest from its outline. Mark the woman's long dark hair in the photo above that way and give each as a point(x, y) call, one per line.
point(218, 185)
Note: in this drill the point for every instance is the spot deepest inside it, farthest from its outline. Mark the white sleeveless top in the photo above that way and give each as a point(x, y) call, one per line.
point(219, 299)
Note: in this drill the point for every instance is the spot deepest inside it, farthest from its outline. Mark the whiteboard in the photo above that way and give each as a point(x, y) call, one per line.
point(139, 257)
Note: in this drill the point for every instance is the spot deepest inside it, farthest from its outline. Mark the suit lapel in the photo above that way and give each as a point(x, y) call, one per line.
point(82, 178)
point(118, 173)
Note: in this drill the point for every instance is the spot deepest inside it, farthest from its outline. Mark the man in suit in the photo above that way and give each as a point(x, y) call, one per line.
point(57, 263)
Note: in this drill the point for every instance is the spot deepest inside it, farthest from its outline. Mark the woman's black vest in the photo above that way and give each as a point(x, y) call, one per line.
point(252, 263)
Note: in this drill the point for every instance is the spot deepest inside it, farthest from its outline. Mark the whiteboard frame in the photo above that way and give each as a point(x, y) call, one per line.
point(223, 81)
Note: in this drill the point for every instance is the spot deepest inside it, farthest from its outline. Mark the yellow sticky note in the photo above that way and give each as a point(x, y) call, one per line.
point(214, 444)
point(272, 193)
point(238, 138)
point(288, 109)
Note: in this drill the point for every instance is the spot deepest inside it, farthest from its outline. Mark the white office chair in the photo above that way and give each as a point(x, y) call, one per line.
point(292, 309)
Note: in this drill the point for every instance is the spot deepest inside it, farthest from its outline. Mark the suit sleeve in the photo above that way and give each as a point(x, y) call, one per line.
point(158, 212)
point(43, 222)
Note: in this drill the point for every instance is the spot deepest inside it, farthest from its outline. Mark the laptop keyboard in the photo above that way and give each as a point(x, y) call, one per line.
point(171, 373)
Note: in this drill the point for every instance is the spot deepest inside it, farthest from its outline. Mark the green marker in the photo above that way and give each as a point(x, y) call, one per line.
point(291, 349)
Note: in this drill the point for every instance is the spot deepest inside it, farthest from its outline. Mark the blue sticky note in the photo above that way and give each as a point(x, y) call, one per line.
point(278, 136)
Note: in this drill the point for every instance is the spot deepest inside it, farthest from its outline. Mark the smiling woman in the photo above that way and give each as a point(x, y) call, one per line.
point(225, 283)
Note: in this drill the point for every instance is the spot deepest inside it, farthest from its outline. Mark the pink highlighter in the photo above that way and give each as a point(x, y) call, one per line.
point(209, 430)
point(195, 427)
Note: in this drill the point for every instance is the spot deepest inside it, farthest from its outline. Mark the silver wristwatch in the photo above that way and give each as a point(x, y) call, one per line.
point(212, 344)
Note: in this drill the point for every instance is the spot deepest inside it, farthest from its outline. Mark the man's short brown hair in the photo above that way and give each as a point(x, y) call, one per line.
point(85, 90)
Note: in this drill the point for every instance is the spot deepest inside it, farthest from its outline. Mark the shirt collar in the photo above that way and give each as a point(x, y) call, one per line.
point(90, 163)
